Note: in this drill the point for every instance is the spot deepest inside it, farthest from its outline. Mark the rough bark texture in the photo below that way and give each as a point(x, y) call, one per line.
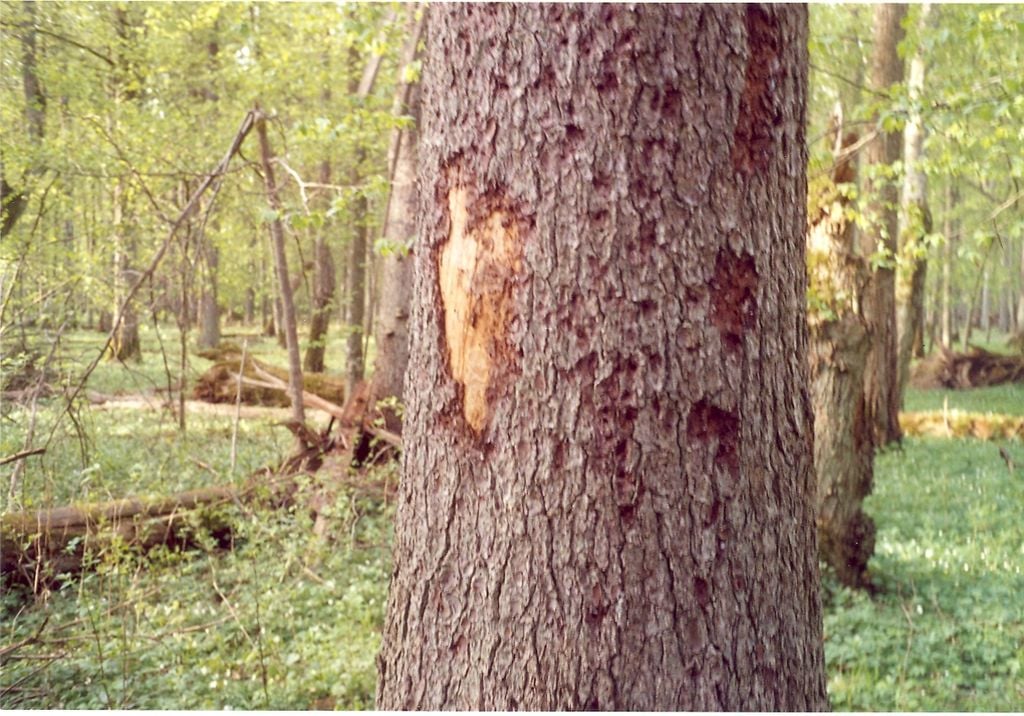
point(391, 331)
point(608, 492)
point(839, 344)
point(881, 377)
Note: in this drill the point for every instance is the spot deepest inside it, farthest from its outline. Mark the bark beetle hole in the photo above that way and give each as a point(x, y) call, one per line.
point(760, 110)
point(733, 297)
point(701, 592)
point(477, 267)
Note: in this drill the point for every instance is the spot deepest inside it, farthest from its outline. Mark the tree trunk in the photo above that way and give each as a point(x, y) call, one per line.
point(323, 293)
point(949, 230)
point(287, 324)
point(14, 200)
point(125, 344)
point(985, 319)
point(356, 288)
point(355, 315)
point(391, 331)
point(839, 344)
point(916, 221)
point(608, 489)
point(1020, 299)
point(882, 376)
point(209, 312)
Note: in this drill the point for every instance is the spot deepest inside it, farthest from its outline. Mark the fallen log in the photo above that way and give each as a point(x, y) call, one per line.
point(38, 545)
point(974, 369)
point(959, 424)
point(219, 384)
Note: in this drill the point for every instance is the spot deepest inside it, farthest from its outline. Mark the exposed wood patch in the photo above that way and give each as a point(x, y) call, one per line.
point(477, 265)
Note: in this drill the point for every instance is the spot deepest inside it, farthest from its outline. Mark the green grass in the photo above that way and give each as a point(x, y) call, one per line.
point(947, 632)
point(284, 621)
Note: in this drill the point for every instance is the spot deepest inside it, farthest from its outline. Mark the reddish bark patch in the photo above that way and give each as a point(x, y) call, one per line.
point(760, 110)
point(708, 423)
point(733, 297)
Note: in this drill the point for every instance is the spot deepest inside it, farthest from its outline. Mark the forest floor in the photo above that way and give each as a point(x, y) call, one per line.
point(290, 619)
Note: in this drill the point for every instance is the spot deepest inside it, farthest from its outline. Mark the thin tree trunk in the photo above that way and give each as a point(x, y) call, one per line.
point(209, 312)
point(882, 374)
point(949, 229)
point(608, 489)
point(1020, 299)
point(916, 221)
point(391, 331)
point(14, 200)
point(125, 344)
point(323, 292)
point(287, 324)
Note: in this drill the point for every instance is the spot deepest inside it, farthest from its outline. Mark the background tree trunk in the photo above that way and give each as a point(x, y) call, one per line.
point(14, 200)
point(125, 344)
point(1020, 298)
point(608, 492)
point(209, 311)
point(839, 344)
point(323, 292)
point(950, 230)
point(391, 331)
point(881, 376)
point(287, 325)
point(916, 222)
point(355, 314)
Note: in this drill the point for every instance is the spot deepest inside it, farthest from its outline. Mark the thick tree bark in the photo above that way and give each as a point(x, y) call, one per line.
point(287, 312)
point(882, 376)
point(608, 492)
point(915, 223)
point(843, 437)
point(391, 330)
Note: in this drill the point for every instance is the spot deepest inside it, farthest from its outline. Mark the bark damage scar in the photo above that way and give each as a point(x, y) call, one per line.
point(760, 110)
point(477, 267)
point(733, 297)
